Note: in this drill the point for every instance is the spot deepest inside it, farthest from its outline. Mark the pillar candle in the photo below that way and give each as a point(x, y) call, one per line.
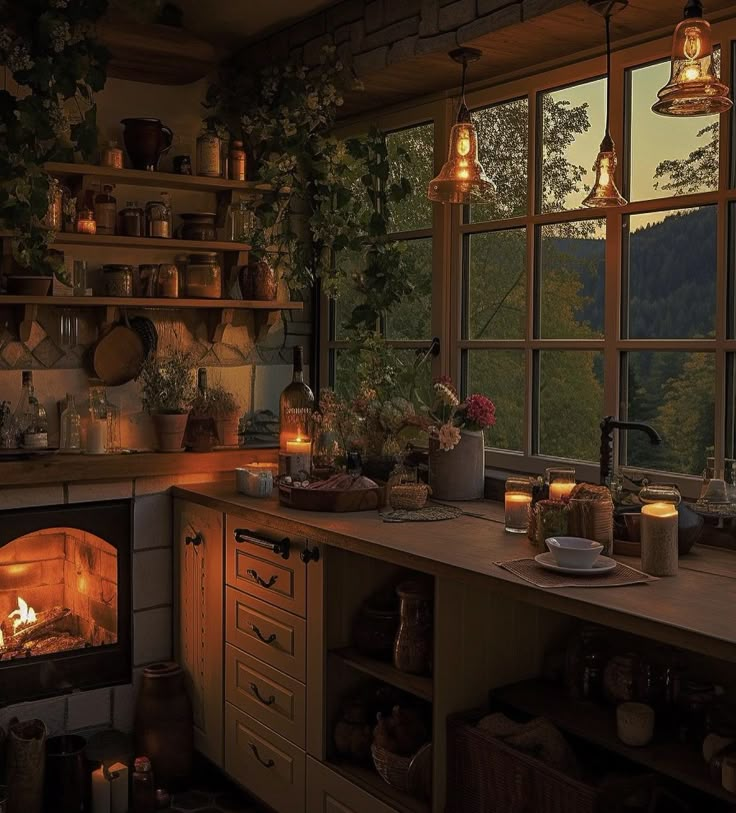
point(100, 792)
point(96, 436)
point(659, 539)
point(119, 788)
point(517, 512)
point(559, 490)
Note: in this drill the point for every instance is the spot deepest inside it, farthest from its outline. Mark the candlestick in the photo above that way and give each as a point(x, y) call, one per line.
point(659, 539)
point(517, 512)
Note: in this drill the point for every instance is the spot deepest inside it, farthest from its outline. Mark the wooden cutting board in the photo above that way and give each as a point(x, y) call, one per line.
point(118, 356)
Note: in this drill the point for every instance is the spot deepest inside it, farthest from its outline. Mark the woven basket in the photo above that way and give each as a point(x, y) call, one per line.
point(409, 496)
point(412, 775)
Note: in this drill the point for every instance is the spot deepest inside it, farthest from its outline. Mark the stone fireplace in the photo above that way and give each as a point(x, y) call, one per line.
point(65, 599)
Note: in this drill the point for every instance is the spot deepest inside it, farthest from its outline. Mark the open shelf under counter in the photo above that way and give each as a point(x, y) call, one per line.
point(596, 724)
point(160, 180)
point(417, 685)
point(148, 243)
point(367, 779)
point(148, 302)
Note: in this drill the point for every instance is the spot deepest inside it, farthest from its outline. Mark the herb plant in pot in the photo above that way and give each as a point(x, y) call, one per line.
point(168, 392)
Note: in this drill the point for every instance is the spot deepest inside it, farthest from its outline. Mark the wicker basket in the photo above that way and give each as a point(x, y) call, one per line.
point(409, 496)
point(412, 775)
point(484, 775)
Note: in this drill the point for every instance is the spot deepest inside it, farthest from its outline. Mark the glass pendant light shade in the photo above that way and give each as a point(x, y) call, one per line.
point(605, 192)
point(462, 179)
point(694, 89)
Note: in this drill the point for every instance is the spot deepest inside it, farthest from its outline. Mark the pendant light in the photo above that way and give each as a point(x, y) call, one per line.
point(462, 179)
point(605, 192)
point(693, 89)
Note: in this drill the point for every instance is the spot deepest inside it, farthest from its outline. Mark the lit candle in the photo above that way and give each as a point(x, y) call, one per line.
point(517, 512)
point(86, 223)
point(298, 455)
point(118, 788)
point(100, 792)
point(560, 490)
point(659, 539)
point(299, 446)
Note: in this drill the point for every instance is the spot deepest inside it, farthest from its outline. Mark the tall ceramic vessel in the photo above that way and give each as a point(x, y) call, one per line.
point(459, 473)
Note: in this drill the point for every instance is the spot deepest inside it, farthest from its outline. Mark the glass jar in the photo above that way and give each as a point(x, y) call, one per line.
point(86, 223)
point(375, 626)
point(106, 211)
point(209, 154)
point(131, 220)
point(70, 434)
point(413, 644)
point(585, 661)
point(79, 277)
point(240, 222)
point(111, 156)
point(167, 281)
point(97, 424)
point(158, 217)
point(660, 492)
point(203, 276)
point(517, 500)
point(561, 482)
point(147, 273)
point(54, 218)
point(118, 280)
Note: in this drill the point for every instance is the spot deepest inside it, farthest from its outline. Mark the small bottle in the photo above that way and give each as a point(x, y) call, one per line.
point(202, 382)
point(106, 211)
point(144, 790)
point(237, 161)
point(25, 412)
point(209, 155)
point(70, 440)
point(37, 435)
point(131, 220)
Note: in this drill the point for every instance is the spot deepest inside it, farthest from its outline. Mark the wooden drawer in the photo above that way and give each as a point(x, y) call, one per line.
point(269, 696)
point(328, 792)
point(278, 577)
point(276, 637)
point(266, 765)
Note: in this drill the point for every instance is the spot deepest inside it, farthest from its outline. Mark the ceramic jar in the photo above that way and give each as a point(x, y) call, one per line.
point(258, 281)
point(458, 474)
point(118, 280)
point(413, 643)
point(203, 276)
point(146, 140)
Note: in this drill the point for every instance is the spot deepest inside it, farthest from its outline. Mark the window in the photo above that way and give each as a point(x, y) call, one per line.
point(563, 315)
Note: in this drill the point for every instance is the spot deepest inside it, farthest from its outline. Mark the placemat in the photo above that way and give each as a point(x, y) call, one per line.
point(530, 571)
point(430, 513)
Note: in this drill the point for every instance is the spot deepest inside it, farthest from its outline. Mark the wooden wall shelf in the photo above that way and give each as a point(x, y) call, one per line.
point(413, 684)
point(160, 180)
point(597, 724)
point(147, 302)
point(149, 243)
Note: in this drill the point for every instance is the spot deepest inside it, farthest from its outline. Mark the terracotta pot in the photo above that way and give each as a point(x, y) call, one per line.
point(146, 140)
point(261, 281)
point(460, 473)
point(29, 285)
point(170, 431)
point(164, 727)
point(227, 430)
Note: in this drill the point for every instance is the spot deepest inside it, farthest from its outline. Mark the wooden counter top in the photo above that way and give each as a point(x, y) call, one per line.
point(694, 610)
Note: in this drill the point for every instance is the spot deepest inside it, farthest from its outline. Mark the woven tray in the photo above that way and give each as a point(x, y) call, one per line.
point(535, 574)
point(430, 513)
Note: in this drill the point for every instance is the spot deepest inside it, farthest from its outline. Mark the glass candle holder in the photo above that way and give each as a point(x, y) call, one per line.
point(561, 482)
point(659, 529)
point(86, 223)
point(517, 500)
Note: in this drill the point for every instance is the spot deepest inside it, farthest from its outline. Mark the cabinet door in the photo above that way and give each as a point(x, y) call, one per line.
point(198, 634)
point(328, 792)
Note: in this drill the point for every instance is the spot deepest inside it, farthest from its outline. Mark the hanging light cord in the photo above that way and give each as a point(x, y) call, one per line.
point(608, 74)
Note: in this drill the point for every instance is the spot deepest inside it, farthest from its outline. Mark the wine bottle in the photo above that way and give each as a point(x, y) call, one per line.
point(295, 406)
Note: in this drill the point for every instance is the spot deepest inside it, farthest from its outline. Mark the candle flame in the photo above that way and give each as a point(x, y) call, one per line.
point(22, 616)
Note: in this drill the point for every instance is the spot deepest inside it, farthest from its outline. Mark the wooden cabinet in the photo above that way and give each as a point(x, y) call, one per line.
point(328, 792)
point(198, 639)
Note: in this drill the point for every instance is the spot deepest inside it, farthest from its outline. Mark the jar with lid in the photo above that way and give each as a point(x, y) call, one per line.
point(118, 280)
point(167, 281)
point(209, 152)
point(237, 160)
point(86, 223)
point(203, 276)
point(106, 211)
point(158, 217)
point(131, 220)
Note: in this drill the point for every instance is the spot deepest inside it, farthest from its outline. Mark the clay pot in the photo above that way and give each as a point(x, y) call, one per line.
point(460, 473)
point(164, 727)
point(227, 430)
point(170, 430)
point(258, 281)
point(146, 140)
point(29, 285)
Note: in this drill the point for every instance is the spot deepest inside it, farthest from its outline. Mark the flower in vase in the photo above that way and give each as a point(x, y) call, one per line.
point(480, 411)
point(448, 436)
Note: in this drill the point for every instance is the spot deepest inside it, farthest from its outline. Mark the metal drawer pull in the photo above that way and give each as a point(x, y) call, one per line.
point(266, 701)
point(267, 763)
point(279, 548)
point(195, 540)
point(256, 578)
point(271, 638)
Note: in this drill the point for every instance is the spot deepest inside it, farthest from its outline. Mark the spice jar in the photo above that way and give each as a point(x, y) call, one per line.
point(237, 161)
point(131, 220)
point(209, 155)
point(118, 280)
point(86, 223)
point(112, 156)
point(167, 281)
point(203, 276)
point(413, 644)
point(158, 217)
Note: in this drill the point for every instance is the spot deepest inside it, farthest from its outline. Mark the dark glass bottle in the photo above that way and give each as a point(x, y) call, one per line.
point(106, 211)
point(144, 789)
point(295, 406)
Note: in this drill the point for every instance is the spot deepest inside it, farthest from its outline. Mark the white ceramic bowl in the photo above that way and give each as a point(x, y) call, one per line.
point(574, 551)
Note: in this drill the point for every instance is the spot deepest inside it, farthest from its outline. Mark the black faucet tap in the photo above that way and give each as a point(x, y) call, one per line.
point(608, 424)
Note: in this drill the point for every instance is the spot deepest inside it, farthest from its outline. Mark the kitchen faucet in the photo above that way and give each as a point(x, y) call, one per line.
point(608, 424)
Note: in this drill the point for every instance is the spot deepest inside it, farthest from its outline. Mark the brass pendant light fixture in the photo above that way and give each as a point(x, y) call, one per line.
point(605, 192)
point(693, 88)
point(462, 179)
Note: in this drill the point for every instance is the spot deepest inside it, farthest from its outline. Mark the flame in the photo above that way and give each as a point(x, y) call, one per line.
point(23, 615)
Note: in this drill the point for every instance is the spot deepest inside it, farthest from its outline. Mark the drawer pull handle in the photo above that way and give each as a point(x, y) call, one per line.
point(267, 763)
point(267, 701)
point(281, 548)
point(271, 638)
point(195, 540)
point(256, 578)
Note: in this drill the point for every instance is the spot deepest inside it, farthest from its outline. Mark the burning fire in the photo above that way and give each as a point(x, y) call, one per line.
point(22, 616)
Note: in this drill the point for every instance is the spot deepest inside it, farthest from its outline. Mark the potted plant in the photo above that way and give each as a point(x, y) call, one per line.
point(456, 443)
point(168, 391)
point(213, 420)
